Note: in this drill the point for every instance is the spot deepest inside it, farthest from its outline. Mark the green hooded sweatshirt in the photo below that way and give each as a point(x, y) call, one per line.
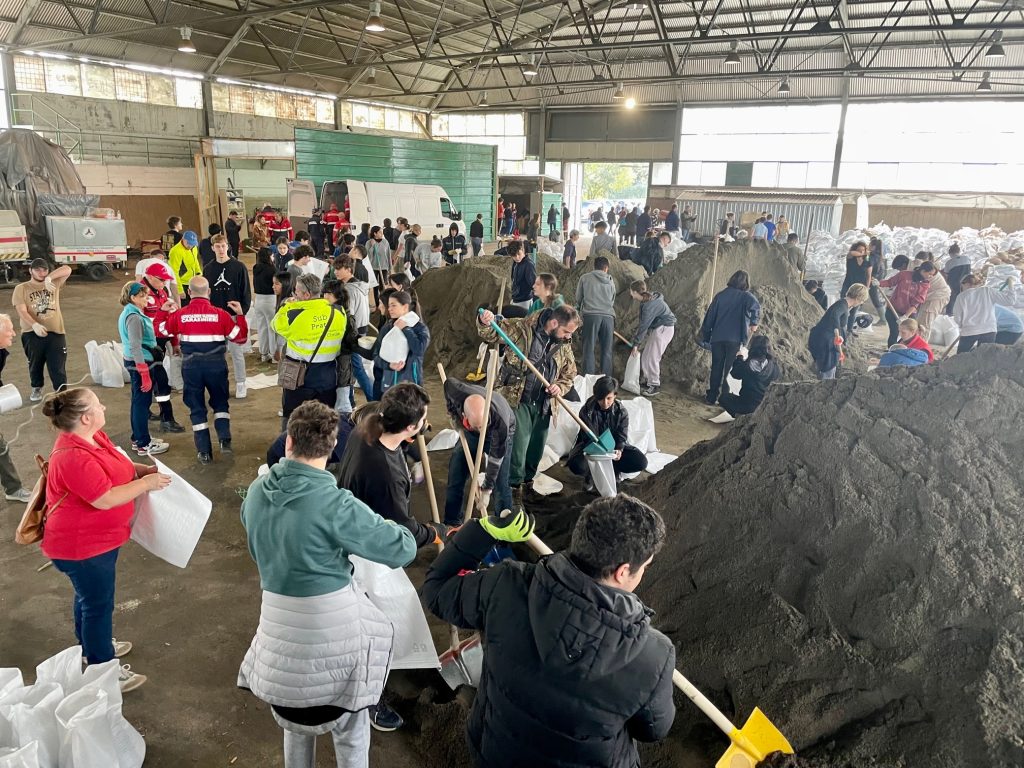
point(301, 529)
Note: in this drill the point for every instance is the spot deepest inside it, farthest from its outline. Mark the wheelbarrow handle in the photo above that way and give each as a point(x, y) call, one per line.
point(540, 377)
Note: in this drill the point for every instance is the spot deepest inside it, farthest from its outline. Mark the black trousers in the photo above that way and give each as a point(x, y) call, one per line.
point(293, 398)
point(967, 343)
point(49, 351)
point(632, 461)
point(723, 353)
point(894, 326)
point(735, 405)
point(1007, 338)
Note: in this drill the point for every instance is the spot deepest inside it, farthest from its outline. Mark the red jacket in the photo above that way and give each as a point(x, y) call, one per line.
point(907, 294)
point(916, 342)
point(79, 474)
point(282, 228)
point(154, 308)
point(203, 328)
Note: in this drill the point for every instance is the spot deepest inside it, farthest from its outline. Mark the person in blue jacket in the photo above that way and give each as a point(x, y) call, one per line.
point(900, 354)
point(418, 336)
point(732, 317)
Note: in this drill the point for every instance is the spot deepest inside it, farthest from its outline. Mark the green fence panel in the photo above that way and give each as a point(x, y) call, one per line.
point(547, 200)
point(466, 171)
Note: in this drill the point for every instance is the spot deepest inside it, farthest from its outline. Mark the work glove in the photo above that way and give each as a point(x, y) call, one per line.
point(147, 382)
point(48, 284)
point(38, 329)
point(417, 472)
point(509, 527)
point(442, 533)
point(838, 341)
point(483, 500)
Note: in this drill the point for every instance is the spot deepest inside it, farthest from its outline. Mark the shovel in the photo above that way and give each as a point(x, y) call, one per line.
point(478, 376)
point(463, 662)
point(758, 737)
point(598, 445)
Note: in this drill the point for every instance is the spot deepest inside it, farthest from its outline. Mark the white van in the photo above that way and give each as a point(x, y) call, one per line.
point(372, 201)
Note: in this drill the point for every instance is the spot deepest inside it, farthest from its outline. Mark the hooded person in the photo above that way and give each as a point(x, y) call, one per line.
point(755, 373)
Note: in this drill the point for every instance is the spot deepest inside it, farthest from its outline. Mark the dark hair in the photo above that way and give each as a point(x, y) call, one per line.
point(514, 247)
point(792, 237)
point(640, 286)
point(923, 255)
point(313, 428)
point(387, 222)
point(435, 242)
point(173, 221)
point(285, 279)
point(740, 279)
point(860, 245)
point(364, 228)
point(971, 280)
point(263, 257)
point(401, 280)
point(401, 406)
point(954, 249)
point(302, 252)
point(921, 269)
point(384, 295)
point(565, 314)
point(357, 248)
point(613, 532)
point(601, 225)
point(401, 220)
point(302, 235)
point(66, 407)
point(337, 289)
point(402, 297)
point(600, 262)
point(348, 239)
point(453, 226)
point(900, 263)
point(345, 262)
point(375, 230)
point(760, 348)
point(812, 285)
point(604, 386)
point(281, 241)
point(214, 229)
point(550, 282)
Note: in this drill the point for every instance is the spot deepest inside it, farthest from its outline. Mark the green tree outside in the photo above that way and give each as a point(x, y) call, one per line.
point(614, 181)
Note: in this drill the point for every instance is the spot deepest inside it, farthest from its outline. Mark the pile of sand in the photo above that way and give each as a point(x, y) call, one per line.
point(690, 281)
point(850, 558)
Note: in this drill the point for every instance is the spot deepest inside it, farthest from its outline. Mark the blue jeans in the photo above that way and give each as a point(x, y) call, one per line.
point(93, 580)
point(459, 472)
point(139, 413)
point(362, 379)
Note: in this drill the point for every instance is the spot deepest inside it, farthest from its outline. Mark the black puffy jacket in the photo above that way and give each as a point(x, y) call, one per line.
point(615, 420)
point(573, 672)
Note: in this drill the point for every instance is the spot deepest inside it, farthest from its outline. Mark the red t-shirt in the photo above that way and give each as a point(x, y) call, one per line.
point(77, 530)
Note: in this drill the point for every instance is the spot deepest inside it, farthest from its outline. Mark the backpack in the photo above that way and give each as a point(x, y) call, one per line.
point(33, 521)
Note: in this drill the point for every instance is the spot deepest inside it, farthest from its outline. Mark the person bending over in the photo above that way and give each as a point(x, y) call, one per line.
point(573, 672)
point(604, 411)
point(755, 374)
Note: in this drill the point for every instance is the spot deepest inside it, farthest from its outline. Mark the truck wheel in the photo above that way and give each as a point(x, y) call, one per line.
point(97, 272)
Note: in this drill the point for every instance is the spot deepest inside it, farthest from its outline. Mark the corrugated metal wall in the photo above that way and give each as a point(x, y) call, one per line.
point(468, 172)
point(803, 217)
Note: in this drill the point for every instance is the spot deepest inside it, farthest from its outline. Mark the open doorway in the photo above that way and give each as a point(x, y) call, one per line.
point(608, 186)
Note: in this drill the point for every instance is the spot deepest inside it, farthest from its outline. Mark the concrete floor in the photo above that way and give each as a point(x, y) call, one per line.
point(191, 627)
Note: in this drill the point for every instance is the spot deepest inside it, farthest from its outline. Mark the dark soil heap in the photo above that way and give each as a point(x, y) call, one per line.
point(850, 558)
point(788, 313)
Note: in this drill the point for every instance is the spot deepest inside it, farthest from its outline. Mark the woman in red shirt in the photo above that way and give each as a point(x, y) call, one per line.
point(90, 487)
point(910, 289)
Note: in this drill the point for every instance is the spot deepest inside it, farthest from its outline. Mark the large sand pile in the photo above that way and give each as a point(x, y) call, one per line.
point(788, 313)
point(850, 558)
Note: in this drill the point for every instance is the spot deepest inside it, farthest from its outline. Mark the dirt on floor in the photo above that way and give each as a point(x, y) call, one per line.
point(192, 626)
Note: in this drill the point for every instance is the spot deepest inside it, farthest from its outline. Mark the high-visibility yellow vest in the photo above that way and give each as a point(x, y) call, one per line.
point(302, 322)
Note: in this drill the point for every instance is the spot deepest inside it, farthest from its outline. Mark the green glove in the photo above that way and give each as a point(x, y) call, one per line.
point(508, 527)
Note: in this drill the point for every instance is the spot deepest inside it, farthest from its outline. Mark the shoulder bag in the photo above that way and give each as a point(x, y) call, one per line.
point(291, 374)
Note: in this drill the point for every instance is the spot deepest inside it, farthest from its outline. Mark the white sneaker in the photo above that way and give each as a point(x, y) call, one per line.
point(155, 448)
point(22, 495)
point(37, 394)
point(240, 390)
point(122, 648)
point(129, 680)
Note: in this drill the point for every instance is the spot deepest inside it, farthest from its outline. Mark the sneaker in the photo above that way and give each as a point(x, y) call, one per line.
point(37, 394)
point(225, 446)
point(240, 390)
point(280, 413)
point(122, 648)
point(22, 495)
point(171, 426)
point(129, 680)
point(588, 484)
point(517, 497)
point(204, 458)
point(652, 391)
point(155, 448)
point(384, 718)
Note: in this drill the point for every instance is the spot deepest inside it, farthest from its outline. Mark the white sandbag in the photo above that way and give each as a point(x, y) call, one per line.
point(395, 347)
point(394, 595)
point(546, 486)
point(657, 461)
point(168, 523)
point(95, 369)
point(444, 440)
point(602, 471)
point(548, 460)
point(33, 719)
point(172, 364)
point(943, 331)
point(10, 678)
point(631, 379)
point(7, 704)
point(94, 733)
point(23, 757)
point(563, 430)
point(641, 433)
point(106, 364)
point(64, 668)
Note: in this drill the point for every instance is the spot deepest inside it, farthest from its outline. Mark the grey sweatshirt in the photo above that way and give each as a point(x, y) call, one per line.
point(653, 314)
point(603, 243)
point(595, 294)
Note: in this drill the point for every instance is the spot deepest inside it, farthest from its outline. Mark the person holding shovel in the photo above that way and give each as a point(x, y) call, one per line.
point(601, 412)
point(544, 337)
point(825, 340)
point(573, 672)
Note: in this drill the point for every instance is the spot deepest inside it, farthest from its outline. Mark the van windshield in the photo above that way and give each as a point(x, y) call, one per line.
point(448, 210)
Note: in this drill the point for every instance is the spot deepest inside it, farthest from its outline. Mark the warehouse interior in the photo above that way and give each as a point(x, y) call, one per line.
point(846, 559)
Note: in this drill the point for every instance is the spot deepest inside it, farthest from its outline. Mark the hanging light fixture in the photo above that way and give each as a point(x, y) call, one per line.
point(784, 86)
point(734, 56)
point(530, 70)
point(620, 93)
point(186, 46)
point(630, 103)
point(372, 77)
point(483, 101)
point(985, 86)
point(374, 23)
point(995, 51)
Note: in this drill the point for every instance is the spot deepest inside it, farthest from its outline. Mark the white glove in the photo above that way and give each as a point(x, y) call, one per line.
point(483, 500)
point(417, 472)
point(48, 283)
point(38, 329)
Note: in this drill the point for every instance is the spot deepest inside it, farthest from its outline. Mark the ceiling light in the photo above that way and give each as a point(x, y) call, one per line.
point(185, 46)
point(483, 100)
point(530, 70)
point(995, 51)
point(620, 93)
point(375, 23)
point(629, 103)
point(372, 78)
point(985, 86)
point(734, 56)
point(784, 87)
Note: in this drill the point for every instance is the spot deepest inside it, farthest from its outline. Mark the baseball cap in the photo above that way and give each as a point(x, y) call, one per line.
point(159, 271)
point(39, 264)
point(191, 239)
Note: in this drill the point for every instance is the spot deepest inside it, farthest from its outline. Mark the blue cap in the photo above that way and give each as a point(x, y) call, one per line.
point(191, 239)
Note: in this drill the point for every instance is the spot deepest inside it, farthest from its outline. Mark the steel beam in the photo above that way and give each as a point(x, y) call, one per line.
point(236, 38)
point(24, 16)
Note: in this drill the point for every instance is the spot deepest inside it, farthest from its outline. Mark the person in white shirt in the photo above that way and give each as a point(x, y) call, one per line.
point(974, 311)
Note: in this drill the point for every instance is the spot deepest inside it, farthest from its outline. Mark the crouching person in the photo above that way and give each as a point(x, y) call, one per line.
point(604, 411)
point(570, 656)
point(321, 652)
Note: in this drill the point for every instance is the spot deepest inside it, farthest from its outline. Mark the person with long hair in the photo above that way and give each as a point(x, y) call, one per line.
point(138, 343)
point(858, 270)
point(417, 337)
point(755, 373)
point(379, 253)
point(975, 313)
point(545, 292)
point(656, 325)
point(264, 304)
point(732, 317)
point(399, 281)
point(825, 341)
point(910, 289)
point(90, 490)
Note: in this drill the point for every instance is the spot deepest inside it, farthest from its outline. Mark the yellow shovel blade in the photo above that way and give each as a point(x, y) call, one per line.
point(753, 742)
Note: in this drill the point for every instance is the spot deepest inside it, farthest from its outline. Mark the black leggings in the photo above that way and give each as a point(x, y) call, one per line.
point(894, 326)
point(967, 343)
point(632, 461)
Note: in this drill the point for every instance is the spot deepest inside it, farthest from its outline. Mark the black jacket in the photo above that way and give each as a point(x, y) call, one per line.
point(476, 229)
point(524, 274)
point(754, 383)
point(821, 340)
point(615, 420)
point(649, 255)
point(573, 671)
point(501, 422)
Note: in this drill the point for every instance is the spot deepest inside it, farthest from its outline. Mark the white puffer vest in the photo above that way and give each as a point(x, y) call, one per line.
point(331, 649)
